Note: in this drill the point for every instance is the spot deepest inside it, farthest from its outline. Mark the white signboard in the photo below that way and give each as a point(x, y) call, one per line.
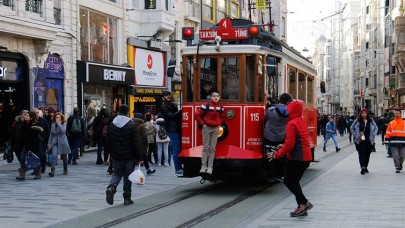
point(149, 68)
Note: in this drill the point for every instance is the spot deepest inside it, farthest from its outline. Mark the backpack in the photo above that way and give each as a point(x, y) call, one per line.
point(162, 133)
point(76, 126)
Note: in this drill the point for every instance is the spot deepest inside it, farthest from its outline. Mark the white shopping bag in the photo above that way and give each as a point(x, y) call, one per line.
point(137, 177)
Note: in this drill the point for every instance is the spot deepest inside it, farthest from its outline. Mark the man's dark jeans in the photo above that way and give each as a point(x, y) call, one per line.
point(122, 168)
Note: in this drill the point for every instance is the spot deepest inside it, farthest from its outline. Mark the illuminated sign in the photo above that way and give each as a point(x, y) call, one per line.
point(225, 31)
point(149, 68)
point(144, 99)
point(150, 4)
point(149, 91)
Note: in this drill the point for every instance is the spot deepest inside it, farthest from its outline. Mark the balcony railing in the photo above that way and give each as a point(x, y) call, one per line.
point(34, 6)
point(9, 3)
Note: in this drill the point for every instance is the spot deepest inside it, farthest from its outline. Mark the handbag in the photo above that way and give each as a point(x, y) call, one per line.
point(137, 177)
point(363, 137)
point(31, 161)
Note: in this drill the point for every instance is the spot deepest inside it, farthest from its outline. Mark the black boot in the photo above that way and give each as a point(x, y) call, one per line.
point(128, 201)
point(337, 149)
point(324, 149)
point(110, 194)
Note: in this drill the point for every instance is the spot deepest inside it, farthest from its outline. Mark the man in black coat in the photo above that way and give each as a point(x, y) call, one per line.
point(125, 152)
point(172, 116)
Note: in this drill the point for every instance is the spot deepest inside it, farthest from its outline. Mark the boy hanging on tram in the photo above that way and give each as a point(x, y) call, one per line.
point(210, 116)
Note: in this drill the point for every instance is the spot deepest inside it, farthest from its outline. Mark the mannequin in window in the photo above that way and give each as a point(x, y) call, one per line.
point(91, 111)
point(98, 108)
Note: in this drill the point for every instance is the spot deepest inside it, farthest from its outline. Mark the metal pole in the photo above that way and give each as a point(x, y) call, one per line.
point(201, 14)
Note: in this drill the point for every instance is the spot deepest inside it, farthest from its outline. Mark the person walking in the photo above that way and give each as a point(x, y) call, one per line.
point(330, 130)
point(395, 136)
point(58, 143)
point(75, 132)
point(100, 125)
point(44, 136)
point(31, 133)
point(298, 149)
point(172, 117)
point(143, 140)
point(124, 150)
point(151, 132)
point(210, 116)
point(275, 120)
point(162, 142)
point(364, 130)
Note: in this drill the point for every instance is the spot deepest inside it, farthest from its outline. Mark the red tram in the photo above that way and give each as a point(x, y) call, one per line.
point(245, 63)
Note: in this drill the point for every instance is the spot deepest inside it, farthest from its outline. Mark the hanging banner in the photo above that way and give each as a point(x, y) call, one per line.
point(260, 4)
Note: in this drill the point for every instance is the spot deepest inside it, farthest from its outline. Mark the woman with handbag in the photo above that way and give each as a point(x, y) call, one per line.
point(30, 140)
point(364, 130)
point(58, 143)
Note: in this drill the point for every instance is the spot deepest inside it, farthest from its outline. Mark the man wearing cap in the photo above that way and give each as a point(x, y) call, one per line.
point(172, 117)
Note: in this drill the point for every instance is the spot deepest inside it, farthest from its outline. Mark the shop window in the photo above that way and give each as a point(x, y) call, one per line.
point(208, 10)
point(34, 6)
point(98, 34)
point(402, 37)
point(208, 76)
point(230, 78)
point(193, 9)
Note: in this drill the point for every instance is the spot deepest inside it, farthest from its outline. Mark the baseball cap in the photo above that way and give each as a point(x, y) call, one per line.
point(166, 93)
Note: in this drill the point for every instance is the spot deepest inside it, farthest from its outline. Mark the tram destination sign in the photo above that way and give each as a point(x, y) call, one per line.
point(225, 31)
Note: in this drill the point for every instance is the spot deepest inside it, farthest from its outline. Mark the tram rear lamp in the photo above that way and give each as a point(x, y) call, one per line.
point(253, 31)
point(187, 33)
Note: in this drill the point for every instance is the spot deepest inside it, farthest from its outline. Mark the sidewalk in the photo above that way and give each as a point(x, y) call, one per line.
point(344, 198)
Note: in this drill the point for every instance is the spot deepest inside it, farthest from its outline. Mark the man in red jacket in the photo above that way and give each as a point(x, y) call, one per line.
point(298, 150)
point(210, 117)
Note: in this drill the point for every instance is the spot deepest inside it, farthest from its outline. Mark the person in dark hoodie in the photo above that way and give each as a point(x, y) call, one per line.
point(124, 143)
point(298, 150)
point(143, 140)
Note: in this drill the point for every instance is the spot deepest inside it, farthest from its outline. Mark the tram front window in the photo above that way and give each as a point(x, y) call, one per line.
point(230, 78)
point(208, 77)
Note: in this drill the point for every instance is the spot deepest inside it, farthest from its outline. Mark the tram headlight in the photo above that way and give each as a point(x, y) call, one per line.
point(223, 132)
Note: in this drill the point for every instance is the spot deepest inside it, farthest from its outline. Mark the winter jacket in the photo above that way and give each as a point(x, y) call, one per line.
point(59, 139)
point(276, 120)
point(355, 129)
point(123, 139)
point(150, 132)
point(172, 116)
point(142, 135)
point(296, 144)
point(214, 114)
point(395, 133)
point(330, 129)
point(32, 137)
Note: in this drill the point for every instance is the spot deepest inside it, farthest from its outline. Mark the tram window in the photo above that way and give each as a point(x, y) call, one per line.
point(302, 87)
point(230, 78)
point(292, 86)
point(310, 91)
point(250, 79)
point(208, 77)
point(189, 78)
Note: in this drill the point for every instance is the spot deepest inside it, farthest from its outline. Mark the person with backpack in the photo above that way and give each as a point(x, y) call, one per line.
point(275, 120)
point(210, 116)
point(75, 130)
point(162, 141)
point(100, 125)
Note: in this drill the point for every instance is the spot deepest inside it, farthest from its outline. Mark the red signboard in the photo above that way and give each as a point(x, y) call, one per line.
point(225, 31)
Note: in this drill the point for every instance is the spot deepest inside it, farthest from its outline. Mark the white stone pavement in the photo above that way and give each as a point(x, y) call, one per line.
point(344, 198)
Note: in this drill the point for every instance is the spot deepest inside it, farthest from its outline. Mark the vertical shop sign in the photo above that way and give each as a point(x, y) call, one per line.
point(150, 4)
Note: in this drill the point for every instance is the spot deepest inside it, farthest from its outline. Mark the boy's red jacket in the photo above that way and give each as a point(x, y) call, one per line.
point(296, 144)
point(213, 116)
